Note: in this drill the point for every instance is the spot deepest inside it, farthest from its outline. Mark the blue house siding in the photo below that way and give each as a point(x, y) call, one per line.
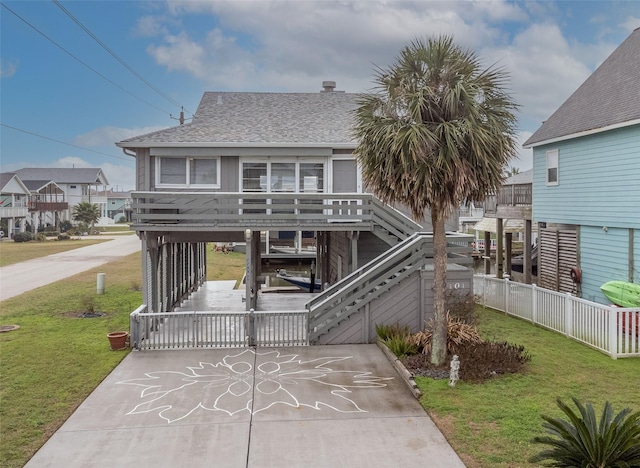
point(604, 256)
point(598, 181)
point(636, 256)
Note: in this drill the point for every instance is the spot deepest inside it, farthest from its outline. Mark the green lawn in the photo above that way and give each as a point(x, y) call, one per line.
point(491, 424)
point(14, 252)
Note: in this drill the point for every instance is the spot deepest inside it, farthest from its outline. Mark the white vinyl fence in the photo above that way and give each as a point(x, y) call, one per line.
point(179, 330)
point(609, 329)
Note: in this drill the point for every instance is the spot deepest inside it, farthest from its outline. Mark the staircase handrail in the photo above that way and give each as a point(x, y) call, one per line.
point(393, 220)
point(338, 286)
point(357, 289)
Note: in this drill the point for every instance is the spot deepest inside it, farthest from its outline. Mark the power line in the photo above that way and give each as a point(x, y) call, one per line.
point(62, 142)
point(115, 56)
point(80, 61)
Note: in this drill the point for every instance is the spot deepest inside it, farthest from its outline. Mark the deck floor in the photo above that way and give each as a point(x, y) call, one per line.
point(220, 296)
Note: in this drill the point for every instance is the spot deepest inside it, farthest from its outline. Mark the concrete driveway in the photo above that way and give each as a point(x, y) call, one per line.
point(21, 277)
point(319, 406)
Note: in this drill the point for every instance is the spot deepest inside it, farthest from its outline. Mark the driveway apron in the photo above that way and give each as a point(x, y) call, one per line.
point(318, 406)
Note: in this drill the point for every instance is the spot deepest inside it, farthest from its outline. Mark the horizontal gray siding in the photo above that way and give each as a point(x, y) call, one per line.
point(598, 181)
point(604, 256)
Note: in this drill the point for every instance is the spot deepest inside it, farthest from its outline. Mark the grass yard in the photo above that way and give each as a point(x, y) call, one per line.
point(221, 266)
point(14, 252)
point(112, 229)
point(54, 361)
point(491, 424)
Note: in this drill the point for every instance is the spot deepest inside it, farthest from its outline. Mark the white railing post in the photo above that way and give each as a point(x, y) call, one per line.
point(507, 296)
point(568, 315)
point(534, 303)
point(613, 332)
point(251, 328)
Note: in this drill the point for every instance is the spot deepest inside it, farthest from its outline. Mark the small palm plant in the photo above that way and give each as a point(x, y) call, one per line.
point(614, 442)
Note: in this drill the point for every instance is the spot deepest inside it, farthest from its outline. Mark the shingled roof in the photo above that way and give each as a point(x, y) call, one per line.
point(64, 175)
point(228, 118)
point(609, 97)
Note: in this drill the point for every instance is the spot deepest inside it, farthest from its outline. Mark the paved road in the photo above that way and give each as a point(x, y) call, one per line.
point(21, 277)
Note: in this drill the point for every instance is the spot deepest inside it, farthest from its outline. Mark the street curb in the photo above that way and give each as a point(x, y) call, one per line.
point(407, 376)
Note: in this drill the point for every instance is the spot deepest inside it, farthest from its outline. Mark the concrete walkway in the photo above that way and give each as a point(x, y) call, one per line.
point(318, 406)
point(21, 277)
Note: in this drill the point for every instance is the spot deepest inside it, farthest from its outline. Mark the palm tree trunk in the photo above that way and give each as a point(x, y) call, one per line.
point(439, 337)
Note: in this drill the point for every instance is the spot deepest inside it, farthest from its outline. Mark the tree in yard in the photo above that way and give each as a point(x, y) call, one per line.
point(435, 132)
point(86, 212)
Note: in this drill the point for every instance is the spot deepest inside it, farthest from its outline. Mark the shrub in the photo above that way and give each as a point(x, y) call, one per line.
point(65, 225)
point(23, 237)
point(458, 333)
point(41, 237)
point(482, 361)
point(64, 237)
point(461, 305)
point(582, 441)
point(389, 331)
point(401, 346)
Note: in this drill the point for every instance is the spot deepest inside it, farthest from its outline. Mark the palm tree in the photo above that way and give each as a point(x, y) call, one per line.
point(436, 131)
point(86, 212)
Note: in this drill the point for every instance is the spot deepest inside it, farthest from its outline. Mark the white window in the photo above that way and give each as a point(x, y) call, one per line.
point(188, 172)
point(552, 167)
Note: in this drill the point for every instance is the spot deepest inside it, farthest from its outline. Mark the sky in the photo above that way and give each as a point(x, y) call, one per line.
point(76, 75)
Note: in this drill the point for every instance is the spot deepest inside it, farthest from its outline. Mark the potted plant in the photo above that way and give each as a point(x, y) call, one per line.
point(118, 340)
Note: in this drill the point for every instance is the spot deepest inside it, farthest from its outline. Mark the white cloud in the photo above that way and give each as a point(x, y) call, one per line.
point(150, 26)
point(631, 23)
point(295, 45)
point(107, 136)
point(544, 70)
point(8, 68)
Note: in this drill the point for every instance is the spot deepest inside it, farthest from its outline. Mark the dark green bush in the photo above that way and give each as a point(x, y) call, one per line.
point(41, 237)
point(22, 237)
point(505, 358)
point(64, 237)
point(582, 441)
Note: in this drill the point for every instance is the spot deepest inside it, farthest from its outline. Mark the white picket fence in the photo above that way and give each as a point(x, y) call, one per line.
point(609, 329)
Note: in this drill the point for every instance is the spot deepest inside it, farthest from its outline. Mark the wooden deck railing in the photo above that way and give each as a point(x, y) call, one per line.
point(179, 211)
point(510, 195)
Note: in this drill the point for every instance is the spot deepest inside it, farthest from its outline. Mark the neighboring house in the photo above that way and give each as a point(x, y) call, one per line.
point(266, 167)
point(586, 186)
point(75, 183)
point(115, 206)
point(47, 204)
point(507, 213)
point(14, 197)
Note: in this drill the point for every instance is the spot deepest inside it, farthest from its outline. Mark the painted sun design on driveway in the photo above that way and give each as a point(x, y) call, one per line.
point(228, 385)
